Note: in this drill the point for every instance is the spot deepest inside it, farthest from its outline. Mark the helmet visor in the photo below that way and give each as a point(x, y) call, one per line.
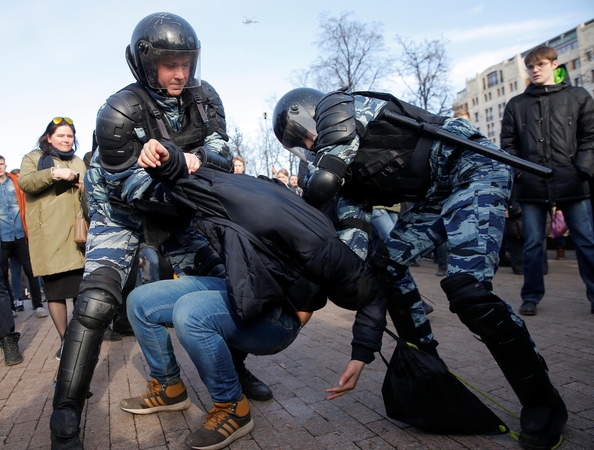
point(300, 130)
point(163, 67)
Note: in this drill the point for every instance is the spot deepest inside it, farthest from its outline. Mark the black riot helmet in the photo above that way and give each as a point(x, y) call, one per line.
point(157, 37)
point(293, 119)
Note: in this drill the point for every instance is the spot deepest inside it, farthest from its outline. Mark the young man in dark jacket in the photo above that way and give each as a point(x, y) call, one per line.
point(279, 270)
point(552, 124)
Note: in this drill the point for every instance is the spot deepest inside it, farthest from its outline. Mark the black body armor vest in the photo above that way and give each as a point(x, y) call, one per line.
point(196, 124)
point(392, 162)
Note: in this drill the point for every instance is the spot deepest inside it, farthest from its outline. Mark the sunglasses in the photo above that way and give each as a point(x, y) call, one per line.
point(59, 120)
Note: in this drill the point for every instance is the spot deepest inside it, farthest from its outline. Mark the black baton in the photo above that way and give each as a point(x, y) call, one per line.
point(434, 131)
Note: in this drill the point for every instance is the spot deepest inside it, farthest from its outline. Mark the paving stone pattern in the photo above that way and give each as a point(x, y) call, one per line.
point(299, 417)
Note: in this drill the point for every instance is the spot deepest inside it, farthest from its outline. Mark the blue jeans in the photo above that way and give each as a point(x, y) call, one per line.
point(578, 216)
point(202, 315)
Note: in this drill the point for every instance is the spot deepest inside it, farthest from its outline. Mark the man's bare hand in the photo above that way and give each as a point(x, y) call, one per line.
point(348, 380)
point(192, 161)
point(153, 154)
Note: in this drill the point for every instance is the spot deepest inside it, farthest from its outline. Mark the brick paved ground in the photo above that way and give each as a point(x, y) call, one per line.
point(298, 417)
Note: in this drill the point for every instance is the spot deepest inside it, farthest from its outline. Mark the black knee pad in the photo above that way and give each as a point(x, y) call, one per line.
point(95, 308)
point(478, 308)
point(463, 289)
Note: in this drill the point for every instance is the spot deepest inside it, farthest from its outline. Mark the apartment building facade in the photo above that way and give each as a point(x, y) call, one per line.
point(486, 95)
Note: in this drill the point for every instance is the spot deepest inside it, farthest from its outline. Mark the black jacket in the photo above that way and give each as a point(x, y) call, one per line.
point(552, 126)
point(277, 248)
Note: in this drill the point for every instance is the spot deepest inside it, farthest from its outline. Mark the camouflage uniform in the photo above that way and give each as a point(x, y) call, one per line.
point(115, 233)
point(461, 200)
point(464, 206)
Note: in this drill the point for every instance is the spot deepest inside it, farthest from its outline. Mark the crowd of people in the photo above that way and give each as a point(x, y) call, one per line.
point(173, 239)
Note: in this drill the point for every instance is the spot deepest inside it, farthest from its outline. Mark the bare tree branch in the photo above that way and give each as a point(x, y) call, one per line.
point(352, 55)
point(424, 69)
point(235, 138)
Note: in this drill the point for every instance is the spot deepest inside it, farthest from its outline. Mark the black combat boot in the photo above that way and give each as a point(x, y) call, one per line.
point(10, 345)
point(251, 386)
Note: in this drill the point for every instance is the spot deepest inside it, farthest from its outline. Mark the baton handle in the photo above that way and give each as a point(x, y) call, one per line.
point(434, 131)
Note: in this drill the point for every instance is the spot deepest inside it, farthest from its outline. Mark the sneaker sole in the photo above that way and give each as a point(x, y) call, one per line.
point(177, 407)
point(246, 429)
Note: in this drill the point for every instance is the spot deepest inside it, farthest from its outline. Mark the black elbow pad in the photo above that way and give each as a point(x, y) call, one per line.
point(323, 185)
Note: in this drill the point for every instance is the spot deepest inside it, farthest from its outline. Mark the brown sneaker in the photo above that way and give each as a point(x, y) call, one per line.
point(160, 397)
point(225, 423)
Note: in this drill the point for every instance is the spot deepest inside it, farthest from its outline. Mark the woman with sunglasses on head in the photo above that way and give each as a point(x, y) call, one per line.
point(51, 176)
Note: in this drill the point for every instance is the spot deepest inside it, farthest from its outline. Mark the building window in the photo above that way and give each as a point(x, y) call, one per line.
point(492, 79)
point(575, 64)
point(501, 76)
point(490, 96)
point(486, 98)
point(489, 114)
point(593, 76)
point(515, 85)
point(589, 55)
point(498, 93)
point(569, 46)
point(501, 107)
point(577, 81)
point(476, 117)
point(502, 90)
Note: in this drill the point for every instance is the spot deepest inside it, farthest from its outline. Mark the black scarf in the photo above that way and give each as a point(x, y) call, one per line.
point(46, 161)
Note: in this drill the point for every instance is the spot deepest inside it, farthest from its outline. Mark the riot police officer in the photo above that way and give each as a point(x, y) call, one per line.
point(364, 158)
point(169, 102)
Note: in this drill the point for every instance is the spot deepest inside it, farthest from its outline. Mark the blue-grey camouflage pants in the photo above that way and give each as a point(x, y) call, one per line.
point(470, 218)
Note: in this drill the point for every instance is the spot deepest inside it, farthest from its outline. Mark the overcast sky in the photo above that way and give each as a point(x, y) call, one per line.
point(65, 58)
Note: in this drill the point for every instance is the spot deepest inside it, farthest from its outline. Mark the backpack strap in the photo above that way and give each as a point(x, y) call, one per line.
point(195, 92)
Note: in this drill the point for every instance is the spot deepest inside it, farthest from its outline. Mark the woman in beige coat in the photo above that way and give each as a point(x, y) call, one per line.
point(51, 176)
